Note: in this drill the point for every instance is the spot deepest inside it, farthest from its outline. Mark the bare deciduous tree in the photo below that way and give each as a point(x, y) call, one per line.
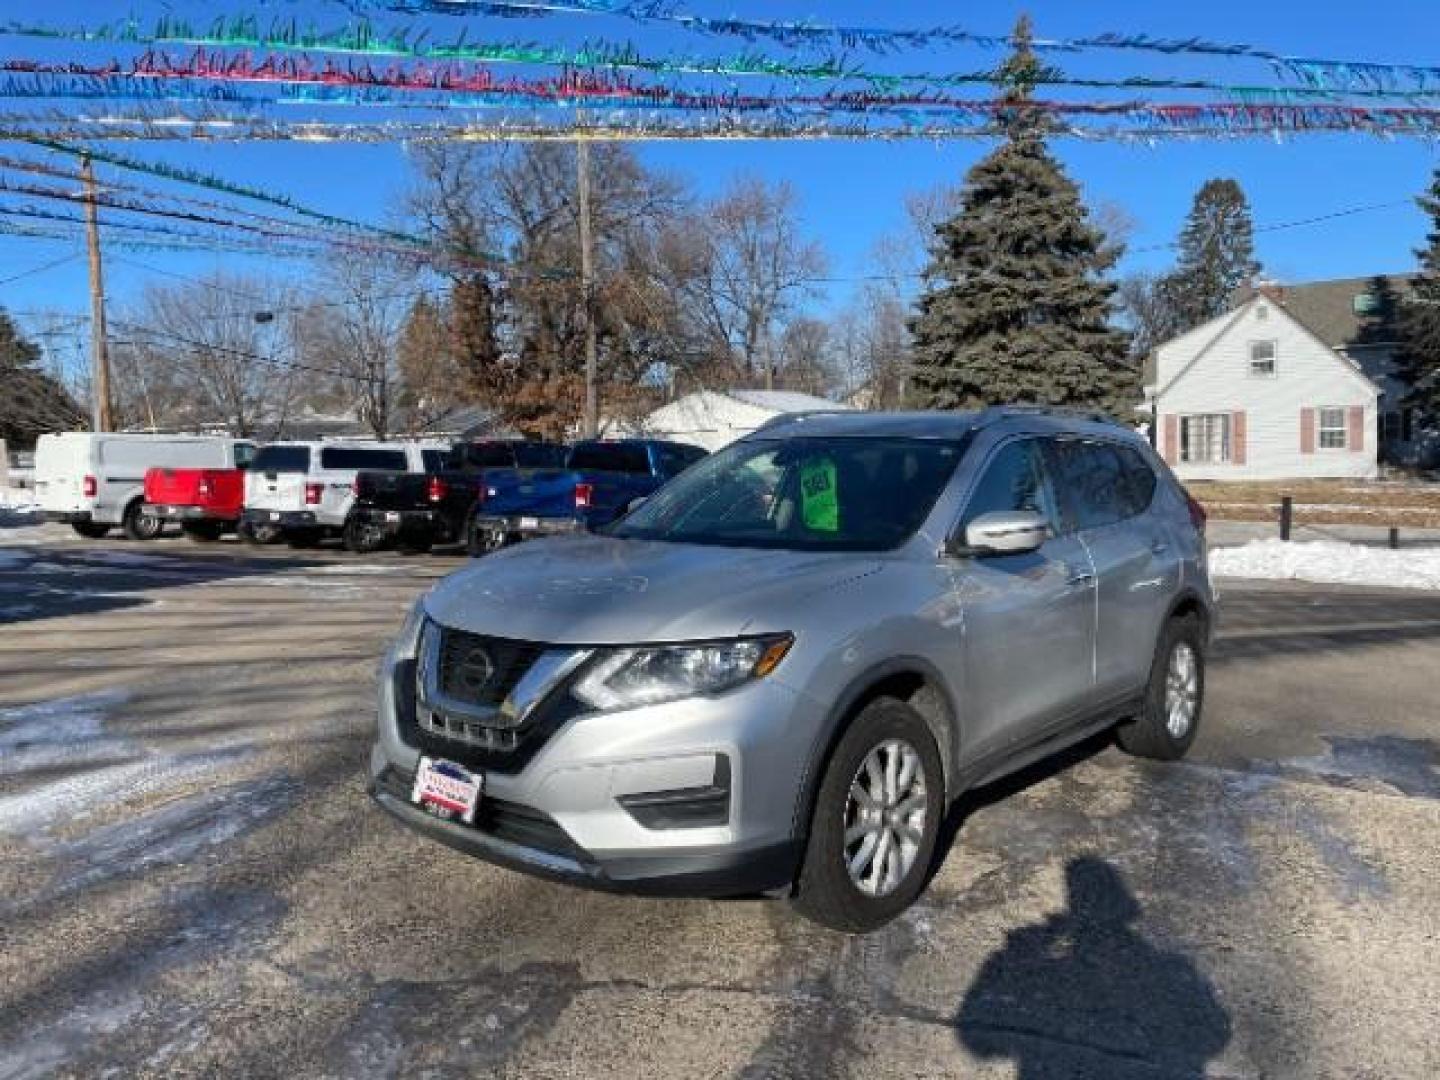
point(752, 265)
point(209, 352)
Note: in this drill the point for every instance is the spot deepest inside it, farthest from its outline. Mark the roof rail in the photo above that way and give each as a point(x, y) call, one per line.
point(780, 418)
point(995, 413)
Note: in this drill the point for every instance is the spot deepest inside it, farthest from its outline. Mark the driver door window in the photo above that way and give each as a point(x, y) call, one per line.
point(1014, 479)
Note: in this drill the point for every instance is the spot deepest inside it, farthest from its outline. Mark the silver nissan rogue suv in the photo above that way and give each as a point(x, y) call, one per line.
point(780, 671)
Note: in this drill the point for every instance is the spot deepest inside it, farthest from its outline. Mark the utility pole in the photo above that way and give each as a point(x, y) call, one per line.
point(587, 288)
point(101, 418)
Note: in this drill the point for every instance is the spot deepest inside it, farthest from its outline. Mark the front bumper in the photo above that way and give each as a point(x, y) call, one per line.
point(618, 800)
point(282, 519)
point(521, 839)
point(170, 512)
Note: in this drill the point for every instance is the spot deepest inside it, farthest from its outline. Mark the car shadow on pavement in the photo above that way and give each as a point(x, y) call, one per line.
point(1082, 993)
point(39, 582)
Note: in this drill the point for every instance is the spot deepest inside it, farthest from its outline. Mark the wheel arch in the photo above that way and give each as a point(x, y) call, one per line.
point(911, 679)
point(1191, 602)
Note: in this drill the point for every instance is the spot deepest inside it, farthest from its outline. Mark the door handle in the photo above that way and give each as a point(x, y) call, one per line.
point(1080, 577)
point(1159, 547)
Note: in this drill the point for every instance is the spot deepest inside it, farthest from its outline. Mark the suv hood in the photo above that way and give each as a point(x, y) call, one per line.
point(595, 590)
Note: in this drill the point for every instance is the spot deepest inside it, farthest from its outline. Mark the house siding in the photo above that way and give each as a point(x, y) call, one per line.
point(1308, 376)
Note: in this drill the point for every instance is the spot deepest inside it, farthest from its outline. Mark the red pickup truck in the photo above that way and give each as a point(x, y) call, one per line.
point(205, 502)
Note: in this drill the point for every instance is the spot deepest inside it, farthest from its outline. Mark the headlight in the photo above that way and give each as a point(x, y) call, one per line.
point(630, 677)
point(407, 642)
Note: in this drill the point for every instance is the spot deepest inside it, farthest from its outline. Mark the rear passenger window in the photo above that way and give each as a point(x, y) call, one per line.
point(676, 459)
point(1140, 480)
point(1101, 483)
point(278, 459)
point(1014, 479)
point(539, 456)
point(357, 457)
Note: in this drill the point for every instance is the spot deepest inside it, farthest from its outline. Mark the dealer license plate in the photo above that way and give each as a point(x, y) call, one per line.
point(529, 523)
point(447, 790)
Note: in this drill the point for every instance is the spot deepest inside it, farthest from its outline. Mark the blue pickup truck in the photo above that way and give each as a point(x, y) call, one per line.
point(596, 484)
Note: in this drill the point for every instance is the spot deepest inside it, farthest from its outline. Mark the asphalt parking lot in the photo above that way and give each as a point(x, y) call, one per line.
point(192, 881)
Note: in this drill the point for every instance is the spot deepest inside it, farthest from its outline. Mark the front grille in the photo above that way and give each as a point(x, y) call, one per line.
point(475, 733)
point(480, 670)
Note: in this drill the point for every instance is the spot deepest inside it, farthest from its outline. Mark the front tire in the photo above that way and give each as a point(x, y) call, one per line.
point(139, 525)
point(876, 818)
point(1170, 716)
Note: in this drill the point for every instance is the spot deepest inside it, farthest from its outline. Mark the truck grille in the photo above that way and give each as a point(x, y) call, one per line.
point(479, 670)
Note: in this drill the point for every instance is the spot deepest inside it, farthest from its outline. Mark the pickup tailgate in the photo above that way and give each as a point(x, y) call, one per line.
point(391, 490)
point(214, 489)
point(275, 490)
point(536, 492)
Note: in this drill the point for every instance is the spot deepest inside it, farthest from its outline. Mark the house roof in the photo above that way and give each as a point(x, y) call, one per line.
point(1328, 308)
point(1222, 325)
point(784, 401)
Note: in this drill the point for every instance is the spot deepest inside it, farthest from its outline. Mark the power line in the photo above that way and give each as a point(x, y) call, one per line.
point(40, 269)
point(142, 331)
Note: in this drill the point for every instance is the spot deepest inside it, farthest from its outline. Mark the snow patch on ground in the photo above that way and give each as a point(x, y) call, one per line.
point(1330, 562)
point(87, 766)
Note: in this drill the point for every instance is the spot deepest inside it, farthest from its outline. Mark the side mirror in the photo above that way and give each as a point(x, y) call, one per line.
point(1004, 532)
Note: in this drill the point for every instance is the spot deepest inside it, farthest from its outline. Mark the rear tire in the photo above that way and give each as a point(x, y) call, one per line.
point(203, 532)
point(361, 538)
point(139, 525)
point(258, 534)
point(90, 530)
point(1175, 697)
point(869, 851)
point(485, 541)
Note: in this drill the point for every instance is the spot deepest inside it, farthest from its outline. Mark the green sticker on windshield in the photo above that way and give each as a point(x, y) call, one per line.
point(819, 507)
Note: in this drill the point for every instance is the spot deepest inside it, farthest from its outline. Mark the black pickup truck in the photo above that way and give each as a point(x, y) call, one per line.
point(414, 511)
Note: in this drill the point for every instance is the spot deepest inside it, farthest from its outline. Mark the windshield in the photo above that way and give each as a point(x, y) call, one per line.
point(841, 494)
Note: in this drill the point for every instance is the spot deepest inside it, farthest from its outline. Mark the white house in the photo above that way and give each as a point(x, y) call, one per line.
point(716, 418)
point(1256, 394)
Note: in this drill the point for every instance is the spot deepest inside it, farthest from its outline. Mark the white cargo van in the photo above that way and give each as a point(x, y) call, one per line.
point(305, 489)
point(96, 480)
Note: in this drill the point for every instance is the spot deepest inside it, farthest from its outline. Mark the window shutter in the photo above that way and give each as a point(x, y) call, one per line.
point(1237, 438)
point(1356, 441)
point(1170, 450)
point(1307, 431)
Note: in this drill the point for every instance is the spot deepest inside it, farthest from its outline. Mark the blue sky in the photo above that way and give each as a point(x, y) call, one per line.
point(852, 193)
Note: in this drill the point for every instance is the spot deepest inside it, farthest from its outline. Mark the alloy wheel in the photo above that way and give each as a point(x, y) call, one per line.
point(885, 815)
point(1182, 690)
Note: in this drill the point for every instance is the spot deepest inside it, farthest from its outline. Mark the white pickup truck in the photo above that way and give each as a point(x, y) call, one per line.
point(96, 480)
point(303, 491)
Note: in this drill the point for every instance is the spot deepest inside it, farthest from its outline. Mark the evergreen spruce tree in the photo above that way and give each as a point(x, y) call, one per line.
point(31, 402)
point(1217, 254)
point(1418, 358)
point(1018, 307)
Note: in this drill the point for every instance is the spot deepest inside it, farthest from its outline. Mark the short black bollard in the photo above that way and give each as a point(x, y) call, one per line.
point(1394, 538)
point(1287, 516)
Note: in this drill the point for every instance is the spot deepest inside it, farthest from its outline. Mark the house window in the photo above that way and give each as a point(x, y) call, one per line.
point(1365, 303)
point(1262, 358)
point(1205, 439)
point(1332, 429)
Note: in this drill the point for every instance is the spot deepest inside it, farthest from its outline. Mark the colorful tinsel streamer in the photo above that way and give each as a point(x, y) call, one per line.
point(249, 32)
point(1323, 72)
